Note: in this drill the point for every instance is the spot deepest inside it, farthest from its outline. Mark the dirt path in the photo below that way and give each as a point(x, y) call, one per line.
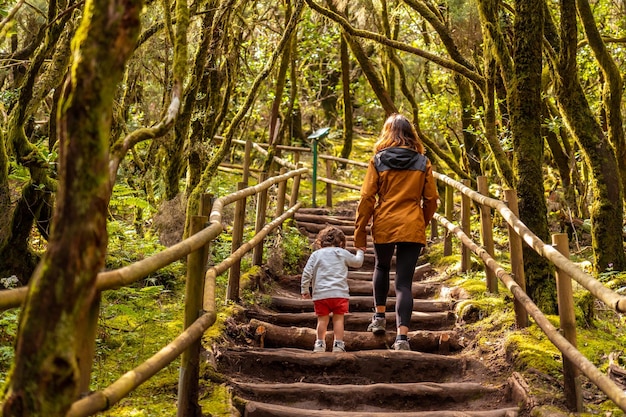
point(276, 374)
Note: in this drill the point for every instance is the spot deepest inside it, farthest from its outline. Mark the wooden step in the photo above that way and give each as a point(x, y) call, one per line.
point(421, 272)
point(358, 303)
point(271, 336)
point(363, 287)
point(438, 320)
point(419, 396)
point(324, 220)
point(256, 409)
point(287, 365)
point(419, 290)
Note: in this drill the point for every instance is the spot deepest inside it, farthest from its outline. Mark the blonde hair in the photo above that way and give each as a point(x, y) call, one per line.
point(330, 236)
point(398, 131)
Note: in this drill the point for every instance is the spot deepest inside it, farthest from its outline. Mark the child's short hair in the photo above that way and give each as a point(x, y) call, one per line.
point(330, 236)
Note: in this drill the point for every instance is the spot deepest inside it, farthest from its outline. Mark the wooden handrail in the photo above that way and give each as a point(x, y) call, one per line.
point(128, 274)
point(603, 382)
point(595, 287)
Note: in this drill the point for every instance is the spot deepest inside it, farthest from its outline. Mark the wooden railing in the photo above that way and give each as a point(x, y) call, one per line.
point(557, 253)
point(200, 308)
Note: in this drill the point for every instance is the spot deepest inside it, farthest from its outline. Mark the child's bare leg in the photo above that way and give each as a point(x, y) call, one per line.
point(322, 326)
point(338, 326)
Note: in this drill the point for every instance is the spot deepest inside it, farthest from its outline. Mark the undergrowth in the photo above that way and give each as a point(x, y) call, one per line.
point(490, 318)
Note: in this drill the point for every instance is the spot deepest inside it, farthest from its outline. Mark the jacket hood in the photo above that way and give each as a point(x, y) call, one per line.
point(400, 158)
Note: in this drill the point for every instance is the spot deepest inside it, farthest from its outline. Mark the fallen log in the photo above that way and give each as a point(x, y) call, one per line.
point(304, 337)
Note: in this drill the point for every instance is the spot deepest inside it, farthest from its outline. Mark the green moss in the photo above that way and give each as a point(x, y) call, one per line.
point(218, 401)
point(530, 348)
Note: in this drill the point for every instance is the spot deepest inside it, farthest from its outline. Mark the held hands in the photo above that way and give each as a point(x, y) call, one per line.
point(306, 296)
point(362, 249)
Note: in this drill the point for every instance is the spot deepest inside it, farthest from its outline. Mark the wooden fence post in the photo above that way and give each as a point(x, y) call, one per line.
point(234, 273)
point(517, 259)
point(282, 189)
point(449, 212)
point(246, 161)
point(486, 233)
point(329, 187)
point(465, 226)
point(295, 188)
point(188, 384)
point(87, 350)
point(261, 207)
point(571, 380)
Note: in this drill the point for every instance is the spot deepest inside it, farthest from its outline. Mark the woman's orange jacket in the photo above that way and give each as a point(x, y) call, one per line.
point(399, 194)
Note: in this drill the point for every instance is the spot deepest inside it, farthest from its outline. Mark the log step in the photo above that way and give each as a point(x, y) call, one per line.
point(421, 272)
point(358, 303)
point(362, 287)
point(431, 341)
point(438, 320)
point(286, 365)
point(256, 409)
point(349, 397)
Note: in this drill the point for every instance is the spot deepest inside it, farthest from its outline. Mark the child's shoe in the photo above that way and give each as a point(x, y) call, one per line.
point(339, 346)
point(319, 346)
point(378, 325)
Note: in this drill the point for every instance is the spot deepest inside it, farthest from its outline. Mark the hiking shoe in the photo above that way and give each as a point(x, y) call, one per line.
point(377, 326)
point(339, 346)
point(401, 345)
point(319, 346)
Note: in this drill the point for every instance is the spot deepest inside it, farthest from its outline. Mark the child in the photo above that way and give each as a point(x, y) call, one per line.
point(327, 273)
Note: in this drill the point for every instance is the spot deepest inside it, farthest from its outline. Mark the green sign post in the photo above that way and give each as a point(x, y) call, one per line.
point(314, 137)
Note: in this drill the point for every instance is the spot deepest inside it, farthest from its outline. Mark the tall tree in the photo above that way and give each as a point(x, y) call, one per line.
point(45, 376)
point(607, 209)
point(613, 86)
point(51, 44)
point(524, 100)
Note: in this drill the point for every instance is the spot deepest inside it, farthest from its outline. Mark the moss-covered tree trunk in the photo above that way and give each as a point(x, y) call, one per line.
point(275, 127)
point(348, 123)
point(45, 376)
point(607, 208)
point(370, 73)
point(211, 168)
point(45, 71)
point(524, 100)
point(5, 200)
point(613, 86)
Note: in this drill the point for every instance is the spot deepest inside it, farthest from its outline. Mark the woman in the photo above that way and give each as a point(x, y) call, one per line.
point(399, 195)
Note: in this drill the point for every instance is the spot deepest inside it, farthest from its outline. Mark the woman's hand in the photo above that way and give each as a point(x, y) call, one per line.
point(306, 296)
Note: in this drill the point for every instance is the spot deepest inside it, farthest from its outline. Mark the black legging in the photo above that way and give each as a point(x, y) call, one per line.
point(406, 259)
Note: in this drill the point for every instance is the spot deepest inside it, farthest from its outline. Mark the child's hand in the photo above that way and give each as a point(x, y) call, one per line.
point(306, 296)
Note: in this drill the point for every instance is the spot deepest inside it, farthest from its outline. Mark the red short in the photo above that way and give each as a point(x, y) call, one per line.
point(331, 305)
